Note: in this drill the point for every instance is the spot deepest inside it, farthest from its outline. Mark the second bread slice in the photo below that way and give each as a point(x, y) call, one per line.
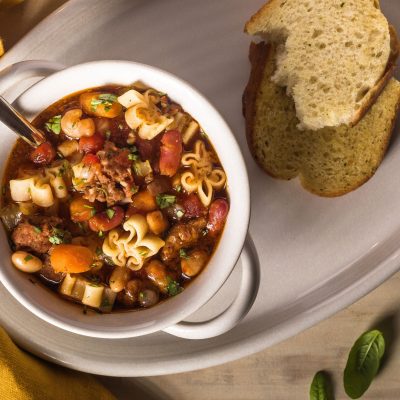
point(330, 161)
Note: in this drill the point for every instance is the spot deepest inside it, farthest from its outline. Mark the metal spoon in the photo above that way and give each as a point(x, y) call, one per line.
point(19, 124)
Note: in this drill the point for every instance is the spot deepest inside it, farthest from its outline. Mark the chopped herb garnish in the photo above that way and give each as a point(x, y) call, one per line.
point(178, 188)
point(110, 213)
point(173, 287)
point(59, 236)
point(54, 124)
point(141, 295)
point(133, 157)
point(100, 234)
point(134, 189)
point(120, 126)
point(108, 134)
point(183, 254)
point(88, 206)
point(165, 200)
point(37, 229)
point(179, 214)
point(28, 258)
point(106, 99)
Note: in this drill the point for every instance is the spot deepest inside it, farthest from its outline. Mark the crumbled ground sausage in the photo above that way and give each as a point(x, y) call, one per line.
point(34, 235)
point(114, 181)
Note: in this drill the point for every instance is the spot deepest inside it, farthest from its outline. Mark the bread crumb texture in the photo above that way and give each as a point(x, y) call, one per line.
point(329, 161)
point(330, 54)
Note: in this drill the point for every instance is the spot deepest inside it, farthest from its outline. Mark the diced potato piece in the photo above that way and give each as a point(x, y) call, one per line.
point(79, 289)
point(108, 300)
point(68, 147)
point(93, 295)
point(67, 285)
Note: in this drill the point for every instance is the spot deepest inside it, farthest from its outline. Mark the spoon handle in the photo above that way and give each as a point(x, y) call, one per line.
point(19, 124)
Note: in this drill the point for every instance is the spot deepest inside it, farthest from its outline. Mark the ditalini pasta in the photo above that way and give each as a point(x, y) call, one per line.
point(133, 244)
point(130, 207)
point(201, 176)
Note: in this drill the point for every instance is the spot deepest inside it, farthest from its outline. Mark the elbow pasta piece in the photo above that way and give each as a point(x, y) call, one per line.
point(201, 177)
point(40, 189)
point(142, 113)
point(133, 245)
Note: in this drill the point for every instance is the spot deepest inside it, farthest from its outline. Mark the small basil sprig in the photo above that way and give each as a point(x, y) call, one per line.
point(321, 388)
point(363, 363)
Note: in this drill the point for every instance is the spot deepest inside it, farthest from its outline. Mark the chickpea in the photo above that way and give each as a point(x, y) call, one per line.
point(118, 279)
point(157, 222)
point(157, 272)
point(26, 262)
point(75, 127)
point(194, 263)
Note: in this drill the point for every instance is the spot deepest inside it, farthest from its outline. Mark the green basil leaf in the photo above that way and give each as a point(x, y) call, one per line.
point(321, 388)
point(363, 363)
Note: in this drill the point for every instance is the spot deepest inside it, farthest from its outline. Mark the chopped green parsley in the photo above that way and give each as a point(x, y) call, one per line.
point(37, 229)
point(165, 200)
point(173, 287)
point(106, 99)
point(183, 254)
point(110, 213)
point(28, 258)
point(54, 124)
point(59, 236)
point(179, 214)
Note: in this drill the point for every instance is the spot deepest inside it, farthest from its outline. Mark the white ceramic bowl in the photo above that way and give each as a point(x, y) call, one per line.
point(166, 315)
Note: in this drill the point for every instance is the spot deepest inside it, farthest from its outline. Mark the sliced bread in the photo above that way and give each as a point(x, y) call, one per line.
point(330, 161)
point(332, 56)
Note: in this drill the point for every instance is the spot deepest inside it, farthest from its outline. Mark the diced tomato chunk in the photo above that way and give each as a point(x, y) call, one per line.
point(43, 154)
point(91, 144)
point(217, 216)
point(107, 220)
point(90, 159)
point(193, 207)
point(170, 152)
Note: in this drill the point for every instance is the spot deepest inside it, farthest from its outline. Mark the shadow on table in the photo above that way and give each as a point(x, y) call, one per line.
point(133, 388)
point(389, 325)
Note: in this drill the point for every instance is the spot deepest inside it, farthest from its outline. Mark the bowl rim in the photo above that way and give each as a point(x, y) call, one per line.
point(195, 296)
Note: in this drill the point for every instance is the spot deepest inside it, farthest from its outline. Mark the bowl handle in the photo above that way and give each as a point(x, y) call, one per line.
point(15, 73)
point(229, 318)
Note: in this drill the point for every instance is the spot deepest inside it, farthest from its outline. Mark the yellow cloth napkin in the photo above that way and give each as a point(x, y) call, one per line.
point(25, 377)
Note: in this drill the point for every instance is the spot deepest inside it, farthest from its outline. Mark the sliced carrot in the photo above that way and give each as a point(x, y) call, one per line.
point(71, 258)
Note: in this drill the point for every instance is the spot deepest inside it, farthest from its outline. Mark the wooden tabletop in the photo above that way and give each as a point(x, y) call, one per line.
point(285, 371)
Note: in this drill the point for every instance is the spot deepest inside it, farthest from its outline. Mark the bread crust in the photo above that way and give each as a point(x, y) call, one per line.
point(258, 55)
point(374, 93)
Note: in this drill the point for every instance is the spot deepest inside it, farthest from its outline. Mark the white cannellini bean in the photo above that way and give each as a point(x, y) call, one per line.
point(118, 279)
point(26, 262)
